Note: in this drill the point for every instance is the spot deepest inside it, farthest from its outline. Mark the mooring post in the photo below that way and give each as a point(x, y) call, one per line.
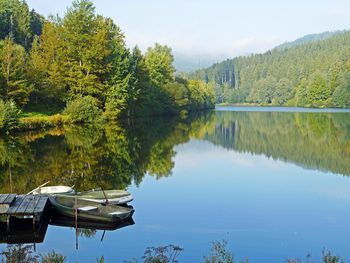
point(8, 224)
point(33, 213)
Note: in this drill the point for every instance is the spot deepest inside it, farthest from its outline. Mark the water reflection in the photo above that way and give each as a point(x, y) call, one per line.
point(118, 154)
point(23, 231)
point(258, 205)
point(312, 140)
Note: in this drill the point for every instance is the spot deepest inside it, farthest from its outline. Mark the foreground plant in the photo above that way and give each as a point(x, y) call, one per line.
point(327, 257)
point(220, 254)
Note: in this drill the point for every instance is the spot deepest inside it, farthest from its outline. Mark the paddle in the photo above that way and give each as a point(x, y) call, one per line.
point(107, 202)
point(38, 187)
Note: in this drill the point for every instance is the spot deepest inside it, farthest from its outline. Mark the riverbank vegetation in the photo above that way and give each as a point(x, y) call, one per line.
point(80, 66)
point(308, 73)
point(162, 254)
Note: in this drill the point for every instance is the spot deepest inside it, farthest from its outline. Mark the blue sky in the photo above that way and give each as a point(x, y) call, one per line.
point(220, 28)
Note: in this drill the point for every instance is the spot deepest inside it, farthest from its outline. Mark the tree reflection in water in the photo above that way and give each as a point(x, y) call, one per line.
point(118, 154)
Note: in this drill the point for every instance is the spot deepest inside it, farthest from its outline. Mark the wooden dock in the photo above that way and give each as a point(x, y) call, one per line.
point(19, 206)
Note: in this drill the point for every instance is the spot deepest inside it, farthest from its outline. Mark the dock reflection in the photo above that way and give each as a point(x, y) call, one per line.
point(23, 231)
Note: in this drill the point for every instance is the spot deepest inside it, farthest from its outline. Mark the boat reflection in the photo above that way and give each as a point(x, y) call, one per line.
point(64, 221)
point(23, 231)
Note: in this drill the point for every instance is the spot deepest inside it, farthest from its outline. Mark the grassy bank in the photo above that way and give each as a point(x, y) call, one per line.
point(36, 122)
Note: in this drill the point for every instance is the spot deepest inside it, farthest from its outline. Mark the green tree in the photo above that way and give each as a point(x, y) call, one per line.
point(283, 92)
point(13, 70)
point(121, 79)
point(48, 63)
point(318, 89)
point(341, 95)
point(301, 94)
point(159, 62)
point(86, 50)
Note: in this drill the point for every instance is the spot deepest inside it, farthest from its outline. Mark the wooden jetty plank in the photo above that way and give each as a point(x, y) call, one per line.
point(6, 203)
point(9, 199)
point(3, 197)
point(41, 205)
point(23, 206)
point(13, 208)
point(33, 203)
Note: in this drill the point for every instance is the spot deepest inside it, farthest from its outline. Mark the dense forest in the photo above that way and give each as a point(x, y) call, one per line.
point(311, 72)
point(81, 66)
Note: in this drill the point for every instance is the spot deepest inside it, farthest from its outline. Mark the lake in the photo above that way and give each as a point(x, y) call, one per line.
point(273, 182)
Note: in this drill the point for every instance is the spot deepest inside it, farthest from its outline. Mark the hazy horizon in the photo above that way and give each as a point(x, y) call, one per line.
point(210, 31)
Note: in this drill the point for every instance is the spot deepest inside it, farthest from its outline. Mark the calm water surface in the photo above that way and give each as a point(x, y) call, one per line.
point(274, 184)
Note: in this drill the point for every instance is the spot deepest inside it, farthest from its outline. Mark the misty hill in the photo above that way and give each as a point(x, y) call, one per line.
point(185, 63)
point(315, 73)
point(308, 38)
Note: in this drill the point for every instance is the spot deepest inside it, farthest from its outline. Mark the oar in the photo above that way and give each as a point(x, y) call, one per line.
point(76, 223)
point(103, 235)
point(107, 202)
point(38, 187)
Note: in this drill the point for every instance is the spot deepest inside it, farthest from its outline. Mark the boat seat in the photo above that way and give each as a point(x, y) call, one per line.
point(88, 208)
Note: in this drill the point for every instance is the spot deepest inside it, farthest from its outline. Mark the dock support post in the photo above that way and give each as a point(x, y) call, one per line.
point(8, 224)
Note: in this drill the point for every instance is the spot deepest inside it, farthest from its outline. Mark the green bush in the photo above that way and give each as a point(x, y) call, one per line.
point(83, 110)
point(9, 115)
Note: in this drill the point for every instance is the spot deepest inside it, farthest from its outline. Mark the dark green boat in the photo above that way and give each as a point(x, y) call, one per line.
point(89, 211)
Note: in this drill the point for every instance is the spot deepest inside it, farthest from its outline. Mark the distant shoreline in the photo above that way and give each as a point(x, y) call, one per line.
point(270, 108)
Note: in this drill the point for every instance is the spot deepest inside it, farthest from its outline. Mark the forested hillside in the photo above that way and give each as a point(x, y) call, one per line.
point(307, 39)
point(313, 74)
point(81, 64)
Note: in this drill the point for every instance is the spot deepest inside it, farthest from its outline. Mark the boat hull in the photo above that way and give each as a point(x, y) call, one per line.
point(89, 211)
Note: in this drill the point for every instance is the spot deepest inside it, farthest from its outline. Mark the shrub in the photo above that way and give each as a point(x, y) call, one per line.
point(53, 257)
point(220, 254)
point(9, 115)
point(83, 110)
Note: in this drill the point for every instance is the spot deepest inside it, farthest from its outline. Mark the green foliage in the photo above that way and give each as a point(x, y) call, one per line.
point(43, 122)
point(162, 254)
point(220, 254)
point(9, 115)
point(53, 257)
point(13, 79)
point(327, 257)
point(87, 49)
point(47, 65)
point(305, 73)
point(318, 90)
point(84, 54)
point(83, 110)
point(19, 253)
point(159, 62)
point(18, 22)
point(201, 95)
point(341, 95)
